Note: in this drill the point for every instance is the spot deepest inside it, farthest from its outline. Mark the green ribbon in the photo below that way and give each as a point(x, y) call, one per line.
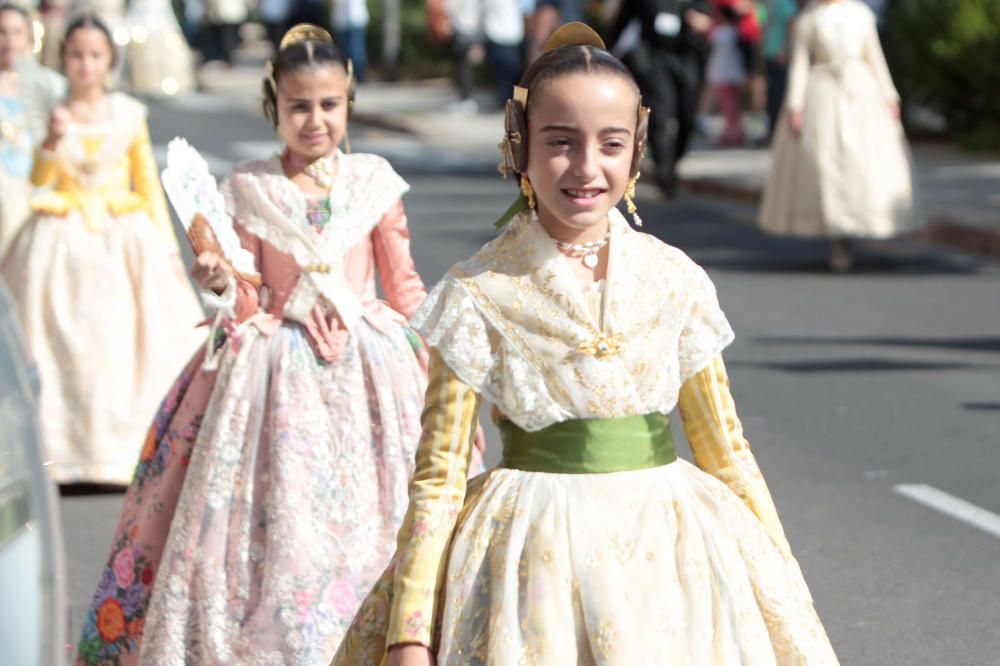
point(519, 206)
point(590, 446)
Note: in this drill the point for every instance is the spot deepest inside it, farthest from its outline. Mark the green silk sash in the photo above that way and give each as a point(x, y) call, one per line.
point(590, 446)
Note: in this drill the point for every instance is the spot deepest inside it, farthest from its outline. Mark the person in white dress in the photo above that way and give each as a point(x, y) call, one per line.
point(841, 166)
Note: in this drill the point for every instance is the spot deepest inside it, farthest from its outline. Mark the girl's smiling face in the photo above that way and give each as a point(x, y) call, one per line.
point(581, 137)
point(312, 109)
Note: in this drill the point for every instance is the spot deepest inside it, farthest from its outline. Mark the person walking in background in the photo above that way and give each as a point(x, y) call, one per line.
point(219, 30)
point(28, 92)
point(841, 167)
point(777, 28)
point(668, 64)
point(350, 23)
point(107, 310)
point(726, 74)
point(159, 60)
point(475, 30)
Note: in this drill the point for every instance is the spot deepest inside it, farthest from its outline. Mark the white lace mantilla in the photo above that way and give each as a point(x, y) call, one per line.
point(260, 197)
point(513, 323)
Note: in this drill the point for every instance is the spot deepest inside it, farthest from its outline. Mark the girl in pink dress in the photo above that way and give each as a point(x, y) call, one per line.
point(281, 476)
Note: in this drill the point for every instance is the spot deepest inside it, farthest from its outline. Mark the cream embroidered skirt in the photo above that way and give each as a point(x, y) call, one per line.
point(656, 566)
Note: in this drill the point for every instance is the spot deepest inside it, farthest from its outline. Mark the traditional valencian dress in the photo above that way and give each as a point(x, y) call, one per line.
point(281, 477)
point(848, 174)
point(590, 543)
point(107, 309)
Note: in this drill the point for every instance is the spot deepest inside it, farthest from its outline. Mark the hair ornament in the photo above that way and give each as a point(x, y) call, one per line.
point(304, 32)
point(573, 34)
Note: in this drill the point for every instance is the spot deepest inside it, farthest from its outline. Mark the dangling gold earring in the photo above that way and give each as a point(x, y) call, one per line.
point(630, 200)
point(528, 191)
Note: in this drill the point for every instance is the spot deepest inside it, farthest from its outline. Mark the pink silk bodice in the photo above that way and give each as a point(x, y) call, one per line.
point(385, 249)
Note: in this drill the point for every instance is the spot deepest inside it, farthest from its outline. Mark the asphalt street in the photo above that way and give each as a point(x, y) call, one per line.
point(865, 396)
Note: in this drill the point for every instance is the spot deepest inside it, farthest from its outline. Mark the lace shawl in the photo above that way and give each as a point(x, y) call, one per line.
point(261, 198)
point(513, 324)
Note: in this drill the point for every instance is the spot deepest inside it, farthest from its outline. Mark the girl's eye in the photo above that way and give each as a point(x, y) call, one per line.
point(560, 142)
point(330, 105)
point(614, 147)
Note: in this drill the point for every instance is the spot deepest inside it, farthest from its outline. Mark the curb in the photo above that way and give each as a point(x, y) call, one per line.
point(940, 229)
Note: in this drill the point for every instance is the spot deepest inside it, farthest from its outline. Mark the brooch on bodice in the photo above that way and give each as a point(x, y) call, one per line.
point(602, 346)
point(317, 268)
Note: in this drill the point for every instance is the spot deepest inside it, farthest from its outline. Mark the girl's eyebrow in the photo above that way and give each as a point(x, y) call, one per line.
point(309, 99)
point(570, 128)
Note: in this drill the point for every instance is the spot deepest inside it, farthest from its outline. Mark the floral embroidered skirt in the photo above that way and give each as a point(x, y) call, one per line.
point(657, 566)
point(264, 506)
point(109, 317)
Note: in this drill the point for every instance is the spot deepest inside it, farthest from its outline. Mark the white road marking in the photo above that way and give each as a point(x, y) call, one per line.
point(950, 505)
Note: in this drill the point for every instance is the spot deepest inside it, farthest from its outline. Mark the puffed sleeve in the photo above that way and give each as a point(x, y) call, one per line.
point(875, 57)
point(437, 492)
point(798, 66)
point(720, 448)
point(401, 284)
point(146, 180)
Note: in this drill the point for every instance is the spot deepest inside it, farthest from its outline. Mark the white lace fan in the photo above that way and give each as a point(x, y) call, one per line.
point(195, 196)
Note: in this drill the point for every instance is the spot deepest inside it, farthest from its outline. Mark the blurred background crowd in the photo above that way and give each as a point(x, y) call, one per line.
point(942, 53)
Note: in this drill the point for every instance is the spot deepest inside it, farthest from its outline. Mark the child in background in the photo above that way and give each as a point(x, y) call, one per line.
point(727, 74)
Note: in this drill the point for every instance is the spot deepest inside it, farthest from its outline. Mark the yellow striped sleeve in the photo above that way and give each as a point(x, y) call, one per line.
point(44, 169)
point(437, 492)
point(146, 181)
point(719, 447)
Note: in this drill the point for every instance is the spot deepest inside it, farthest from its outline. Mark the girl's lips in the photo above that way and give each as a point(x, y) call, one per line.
point(584, 196)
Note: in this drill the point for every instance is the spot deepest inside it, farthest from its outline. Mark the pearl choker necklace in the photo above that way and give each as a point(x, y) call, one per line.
point(586, 251)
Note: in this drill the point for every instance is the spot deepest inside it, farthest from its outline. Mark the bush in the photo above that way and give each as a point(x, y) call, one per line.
point(419, 58)
point(944, 54)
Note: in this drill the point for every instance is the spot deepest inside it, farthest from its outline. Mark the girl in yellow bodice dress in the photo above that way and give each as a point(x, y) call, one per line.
point(108, 312)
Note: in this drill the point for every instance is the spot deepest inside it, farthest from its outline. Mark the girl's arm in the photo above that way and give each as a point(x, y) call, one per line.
point(437, 492)
point(875, 57)
point(719, 447)
point(146, 180)
point(798, 68)
point(403, 288)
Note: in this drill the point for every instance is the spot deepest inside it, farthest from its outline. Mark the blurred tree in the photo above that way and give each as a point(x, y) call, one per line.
point(945, 54)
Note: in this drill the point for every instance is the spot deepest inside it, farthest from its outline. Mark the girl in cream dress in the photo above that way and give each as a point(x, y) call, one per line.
point(108, 312)
point(841, 167)
point(591, 542)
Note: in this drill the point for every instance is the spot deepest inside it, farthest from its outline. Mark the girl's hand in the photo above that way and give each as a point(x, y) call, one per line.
point(894, 110)
point(211, 272)
point(700, 23)
point(410, 655)
point(58, 124)
point(795, 122)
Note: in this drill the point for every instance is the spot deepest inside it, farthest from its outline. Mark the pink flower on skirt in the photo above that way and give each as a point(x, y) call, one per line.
point(344, 599)
point(124, 567)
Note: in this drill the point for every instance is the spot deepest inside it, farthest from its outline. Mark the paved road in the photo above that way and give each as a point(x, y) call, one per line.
point(850, 387)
